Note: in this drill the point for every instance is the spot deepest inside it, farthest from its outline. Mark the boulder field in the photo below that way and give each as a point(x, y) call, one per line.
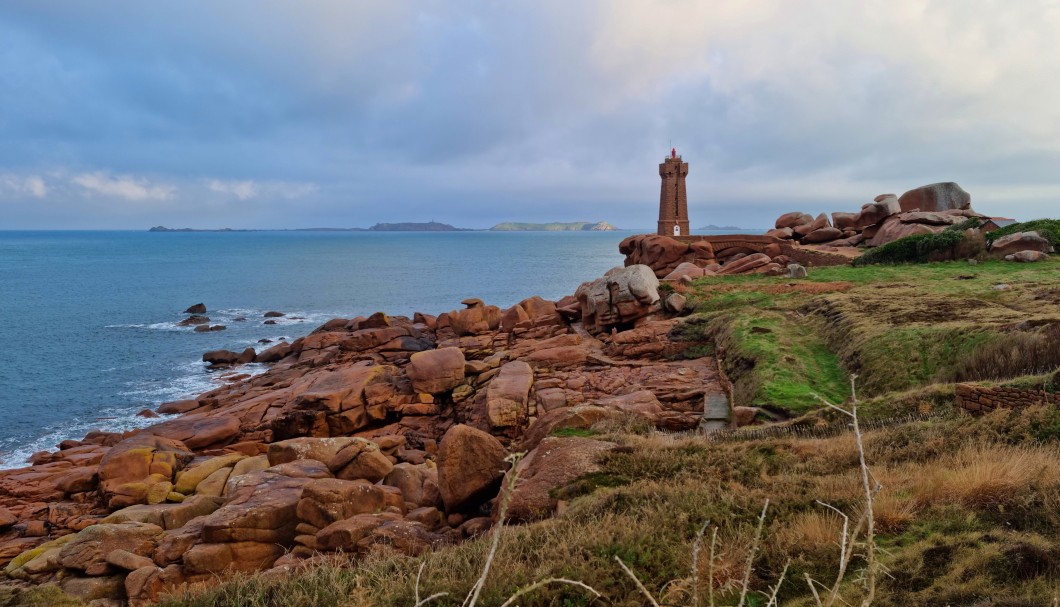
point(370, 433)
point(924, 210)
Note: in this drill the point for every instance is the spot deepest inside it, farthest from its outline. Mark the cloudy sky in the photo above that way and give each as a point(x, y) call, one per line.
point(259, 114)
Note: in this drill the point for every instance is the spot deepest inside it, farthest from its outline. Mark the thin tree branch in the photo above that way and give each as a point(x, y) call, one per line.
point(554, 580)
point(773, 596)
point(696, 547)
point(751, 556)
point(636, 581)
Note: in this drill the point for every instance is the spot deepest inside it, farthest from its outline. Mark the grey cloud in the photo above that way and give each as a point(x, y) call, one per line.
point(476, 112)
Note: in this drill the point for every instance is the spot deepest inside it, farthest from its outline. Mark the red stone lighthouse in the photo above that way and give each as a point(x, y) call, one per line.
point(673, 200)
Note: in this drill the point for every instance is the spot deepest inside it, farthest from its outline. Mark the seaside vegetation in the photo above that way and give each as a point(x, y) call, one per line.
point(918, 248)
point(965, 512)
point(1046, 228)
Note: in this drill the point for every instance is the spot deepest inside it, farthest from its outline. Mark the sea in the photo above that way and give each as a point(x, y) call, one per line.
point(89, 320)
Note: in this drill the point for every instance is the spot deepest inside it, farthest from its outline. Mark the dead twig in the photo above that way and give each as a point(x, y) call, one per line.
point(753, 553)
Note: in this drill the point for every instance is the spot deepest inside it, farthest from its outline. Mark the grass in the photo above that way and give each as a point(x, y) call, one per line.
point(967, 515)
point(899, 327)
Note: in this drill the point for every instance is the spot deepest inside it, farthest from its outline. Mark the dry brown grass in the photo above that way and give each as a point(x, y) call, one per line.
point(807, 531)
point(893, 512)
point(987, 475)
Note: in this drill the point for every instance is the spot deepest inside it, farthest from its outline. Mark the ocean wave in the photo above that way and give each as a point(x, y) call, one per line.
point(15, 453)
point(192, 379)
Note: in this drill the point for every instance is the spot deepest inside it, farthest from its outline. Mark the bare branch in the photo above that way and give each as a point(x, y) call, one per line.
point(636, 581)
point(710, 566)
point(418, 575)
point(773, 596)
point(554, 580)
point(754, 552)
point(813, 589)
point(434, 596)
point(696, 547)
point(828, 404)
point(506, 495)
point(870, 520)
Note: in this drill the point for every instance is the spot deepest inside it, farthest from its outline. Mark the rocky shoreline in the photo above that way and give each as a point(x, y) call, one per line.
point(367, 433)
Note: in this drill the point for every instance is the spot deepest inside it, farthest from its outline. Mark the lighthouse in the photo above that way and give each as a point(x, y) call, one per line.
point(673, 199)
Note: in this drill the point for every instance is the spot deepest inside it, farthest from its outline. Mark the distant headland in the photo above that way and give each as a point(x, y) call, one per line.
point(429, 226)
point(574, 226)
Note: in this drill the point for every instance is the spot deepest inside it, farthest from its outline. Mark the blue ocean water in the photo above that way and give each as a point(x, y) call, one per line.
point(88, 324)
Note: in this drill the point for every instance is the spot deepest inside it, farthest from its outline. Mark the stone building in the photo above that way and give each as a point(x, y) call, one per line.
point(673, 199)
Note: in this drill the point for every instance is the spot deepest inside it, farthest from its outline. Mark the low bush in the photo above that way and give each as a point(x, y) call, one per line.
point(911, 249)
point(1053, 383)
point(1046, 228)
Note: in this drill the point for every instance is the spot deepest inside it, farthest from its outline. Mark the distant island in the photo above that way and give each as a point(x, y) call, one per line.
point(576, 226)
point(714, 227)
point(429, 226)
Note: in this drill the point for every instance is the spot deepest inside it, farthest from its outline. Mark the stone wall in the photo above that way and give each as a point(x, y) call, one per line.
point(980, 399)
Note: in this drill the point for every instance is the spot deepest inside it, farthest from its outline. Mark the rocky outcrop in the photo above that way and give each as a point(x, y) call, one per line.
point(436, 371)
point(371, 433)
point(1020, 241)
point(946, 196)
point(553, 464)
point(470, 467)
point(141, 470)
point(621, 297)
point(924, 210)
point(663, 254)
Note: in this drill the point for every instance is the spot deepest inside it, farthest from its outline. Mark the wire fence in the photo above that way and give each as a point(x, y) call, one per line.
point(808, 431)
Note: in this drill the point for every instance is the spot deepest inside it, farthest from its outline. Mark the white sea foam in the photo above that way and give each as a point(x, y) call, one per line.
point(110, 419)
point(192, 379)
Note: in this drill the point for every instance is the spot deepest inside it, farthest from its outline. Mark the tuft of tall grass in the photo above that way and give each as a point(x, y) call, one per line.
point(988, 476)
point(1014, 354)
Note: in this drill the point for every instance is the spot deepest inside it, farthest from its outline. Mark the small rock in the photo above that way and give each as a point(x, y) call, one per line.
point(265, 341)
point(192, 321)
point(199, 308)
point(147, 413)
point(675, 303)
point(796, 271)
point(269, 322)
point(220, 357)
point(1026, 256)
point(274, 314)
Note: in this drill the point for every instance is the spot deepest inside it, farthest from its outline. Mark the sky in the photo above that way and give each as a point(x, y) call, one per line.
point(318, 113)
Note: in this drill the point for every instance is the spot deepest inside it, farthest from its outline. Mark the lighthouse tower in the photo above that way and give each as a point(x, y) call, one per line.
point(673, 199)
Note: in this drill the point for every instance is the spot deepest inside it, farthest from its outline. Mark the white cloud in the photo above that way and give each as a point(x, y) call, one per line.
point(33, 185)
point(240, 189)
point(123, 186)
point(247, 189)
